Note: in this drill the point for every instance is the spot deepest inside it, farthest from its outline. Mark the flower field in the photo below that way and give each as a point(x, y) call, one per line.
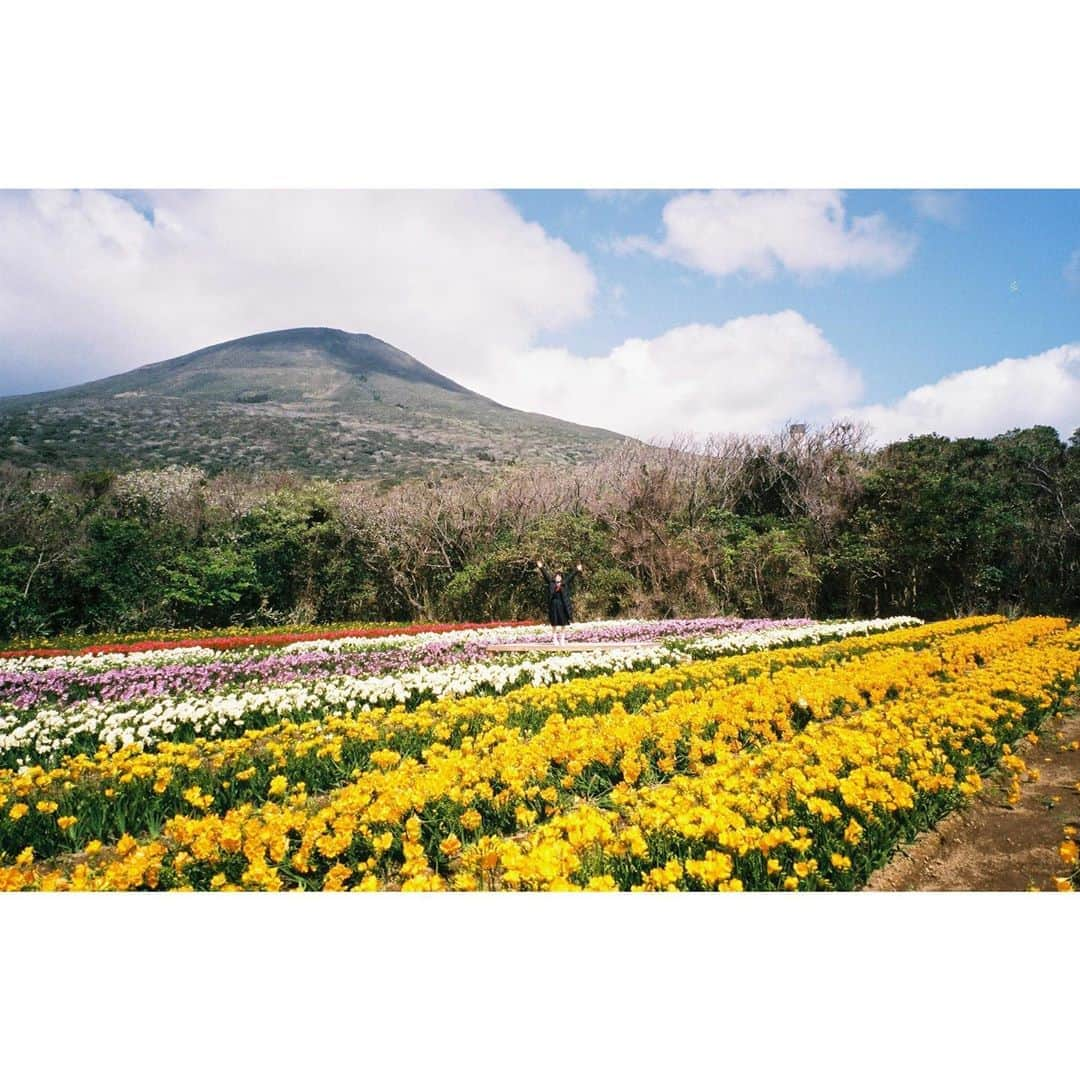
point(56, 705)
point(696, 754)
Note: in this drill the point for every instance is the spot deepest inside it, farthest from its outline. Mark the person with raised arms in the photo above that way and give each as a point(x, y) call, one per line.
point(560, 611)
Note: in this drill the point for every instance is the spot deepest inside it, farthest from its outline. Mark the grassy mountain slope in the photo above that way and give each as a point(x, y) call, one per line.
point(319, 401)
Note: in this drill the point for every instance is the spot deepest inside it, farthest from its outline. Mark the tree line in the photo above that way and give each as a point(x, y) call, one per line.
point(815, 523)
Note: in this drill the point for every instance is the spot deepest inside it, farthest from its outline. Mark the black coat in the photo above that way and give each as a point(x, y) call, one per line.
point(560, 611)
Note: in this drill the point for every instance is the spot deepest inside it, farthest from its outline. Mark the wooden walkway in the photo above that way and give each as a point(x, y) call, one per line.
point(546, 645)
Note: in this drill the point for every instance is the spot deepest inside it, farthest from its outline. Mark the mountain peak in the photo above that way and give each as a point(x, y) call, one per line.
point(315, 355)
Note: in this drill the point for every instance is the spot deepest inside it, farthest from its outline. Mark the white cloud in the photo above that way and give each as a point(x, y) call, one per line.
point(760, 232)
point(944, 207)
point(748, 375)
point(89, 285)
point(754, 374)
point(985, 401)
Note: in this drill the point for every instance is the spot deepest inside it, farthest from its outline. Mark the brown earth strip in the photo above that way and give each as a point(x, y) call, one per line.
point(990, 846)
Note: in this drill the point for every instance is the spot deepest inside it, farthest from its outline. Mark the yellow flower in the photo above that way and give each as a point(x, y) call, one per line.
point(278, 786)
point(791, 883)
point(25, 857)
point(1069, 851)
point(18, 810)
point(195, 797)
point(93, 847)
point(231, 838)
point(385, 759)
point(603, 883)
point(66, 822)
point(450, 847)
point(335, 878)
point(46, 807)
point(471, 820)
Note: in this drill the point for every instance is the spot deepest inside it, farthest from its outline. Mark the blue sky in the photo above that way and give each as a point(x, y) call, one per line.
point(653, 313)
point(986, 283)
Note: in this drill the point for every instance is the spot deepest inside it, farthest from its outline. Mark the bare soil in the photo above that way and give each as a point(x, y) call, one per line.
point(990, 846)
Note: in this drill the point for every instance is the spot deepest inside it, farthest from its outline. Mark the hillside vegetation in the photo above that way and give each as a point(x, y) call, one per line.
point(818, 524)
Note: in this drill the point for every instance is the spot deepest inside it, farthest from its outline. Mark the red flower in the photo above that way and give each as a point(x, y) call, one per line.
point(239, 641)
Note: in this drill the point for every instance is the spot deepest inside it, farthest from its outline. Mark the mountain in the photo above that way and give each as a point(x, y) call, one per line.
point(315, 400)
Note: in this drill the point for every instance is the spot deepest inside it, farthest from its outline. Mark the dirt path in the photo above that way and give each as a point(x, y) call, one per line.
point(990, 846)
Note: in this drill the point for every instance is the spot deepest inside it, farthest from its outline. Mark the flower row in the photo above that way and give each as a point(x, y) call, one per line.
point(240, 640)
point(613, 630)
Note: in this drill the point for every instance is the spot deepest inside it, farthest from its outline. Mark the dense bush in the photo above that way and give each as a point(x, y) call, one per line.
point(798, 524)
